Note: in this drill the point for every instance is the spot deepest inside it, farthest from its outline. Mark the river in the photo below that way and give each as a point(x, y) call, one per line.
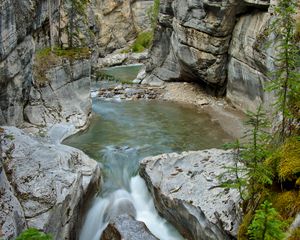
point(123, 133)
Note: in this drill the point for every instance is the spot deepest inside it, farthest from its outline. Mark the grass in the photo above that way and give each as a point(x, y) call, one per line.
point(47, 58)
point(142, 42)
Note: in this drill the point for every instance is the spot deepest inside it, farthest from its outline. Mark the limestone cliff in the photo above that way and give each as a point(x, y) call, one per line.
point(43, 184)
point(119, 22)
point(212, 43)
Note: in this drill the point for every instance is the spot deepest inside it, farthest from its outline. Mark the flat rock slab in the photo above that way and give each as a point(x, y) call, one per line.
point(185, 192)
point(125, 227)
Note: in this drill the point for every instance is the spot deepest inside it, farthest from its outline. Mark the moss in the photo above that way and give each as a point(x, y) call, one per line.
point(295, 235)
point(286, 161)
point(142, 42)
point(243, 228)
point(287, 203)
point(298, 28)
point(45, 59)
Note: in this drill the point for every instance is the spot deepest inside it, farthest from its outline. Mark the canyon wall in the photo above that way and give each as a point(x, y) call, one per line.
point(219, 44)
point(119, 22)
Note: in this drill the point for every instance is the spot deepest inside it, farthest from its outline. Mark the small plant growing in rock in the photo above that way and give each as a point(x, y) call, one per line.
point(33, 234)
point(266, 224)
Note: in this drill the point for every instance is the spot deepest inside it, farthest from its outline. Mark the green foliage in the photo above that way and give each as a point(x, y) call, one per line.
point(266, 224)
point(142, 42)
point(285, 83)
point(33, 234)
point(153, 13)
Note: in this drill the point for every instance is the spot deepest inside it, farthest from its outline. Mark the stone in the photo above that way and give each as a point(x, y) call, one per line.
point(47, 183)
point(192, 41)
point(186, 193)
point(125, 227)
point(119, 22)
point(65, 98)
point(250, 62)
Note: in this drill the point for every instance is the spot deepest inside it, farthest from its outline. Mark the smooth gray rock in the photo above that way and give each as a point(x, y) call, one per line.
point(185, 192)
point(125, 227)
point(192, 41)
point(65, 98)
point(48, 184)
point(251, 59)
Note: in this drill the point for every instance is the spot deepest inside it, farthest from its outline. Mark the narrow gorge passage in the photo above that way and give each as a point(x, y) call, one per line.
point(120, 135)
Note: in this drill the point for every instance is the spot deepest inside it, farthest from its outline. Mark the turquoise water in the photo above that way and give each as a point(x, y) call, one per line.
point(120, 73)
point(122, 133)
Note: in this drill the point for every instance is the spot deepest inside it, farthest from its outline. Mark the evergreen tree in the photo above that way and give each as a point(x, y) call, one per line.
point(266, 225)
point(235, 176)
point(286, 82)
point(256, 150)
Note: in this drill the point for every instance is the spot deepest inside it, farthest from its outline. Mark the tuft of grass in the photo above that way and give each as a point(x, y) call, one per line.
point(142, 42)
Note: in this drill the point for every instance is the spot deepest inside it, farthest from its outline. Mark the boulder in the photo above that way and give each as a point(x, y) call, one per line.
point(125, 227)
point(46, 185)
point(186, 193)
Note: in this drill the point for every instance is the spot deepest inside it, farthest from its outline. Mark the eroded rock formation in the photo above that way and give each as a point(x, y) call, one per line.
point(44, 184)
point(212, 43)
point(119, 22)
point(186, 193)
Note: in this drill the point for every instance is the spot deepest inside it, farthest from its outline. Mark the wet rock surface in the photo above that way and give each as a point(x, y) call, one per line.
point(185, 191)
point(125, 227)
point(129, 92)
point(45, 184)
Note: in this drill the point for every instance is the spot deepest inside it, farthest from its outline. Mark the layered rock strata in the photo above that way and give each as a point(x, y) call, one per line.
point(63, 97)
point(119, 22)
point(186, 193)
point(213, 43)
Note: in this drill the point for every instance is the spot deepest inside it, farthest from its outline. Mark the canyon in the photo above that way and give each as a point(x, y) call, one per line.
point(221, 46)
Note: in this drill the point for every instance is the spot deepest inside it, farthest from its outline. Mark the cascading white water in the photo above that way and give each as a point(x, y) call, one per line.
point(120, 202)
point(123, 133)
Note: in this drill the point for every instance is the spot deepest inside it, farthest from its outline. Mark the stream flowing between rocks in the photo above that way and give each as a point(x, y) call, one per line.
point(122, 133)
